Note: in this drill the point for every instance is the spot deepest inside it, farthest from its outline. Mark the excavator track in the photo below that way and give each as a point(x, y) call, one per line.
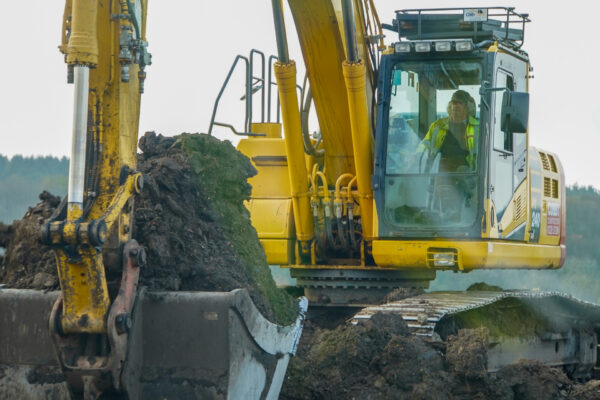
point(553, 327)
point(356, 287)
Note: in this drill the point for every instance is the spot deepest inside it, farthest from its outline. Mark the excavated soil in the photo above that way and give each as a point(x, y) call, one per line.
point(190, 217)
point(380, 359)
point(192, 221)
point(27, 263)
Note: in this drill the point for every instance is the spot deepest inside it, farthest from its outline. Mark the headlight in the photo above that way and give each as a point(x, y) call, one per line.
point(464, 45)
point(403, 47)
point(444, 260)
point(422, 47)
point(443, 46)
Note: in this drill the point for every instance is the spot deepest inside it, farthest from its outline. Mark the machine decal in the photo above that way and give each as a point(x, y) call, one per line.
point(475, 14)
point(553, 221)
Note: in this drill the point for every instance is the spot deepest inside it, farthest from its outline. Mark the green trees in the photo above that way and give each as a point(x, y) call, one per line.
point(22, 179)
point(580, 274)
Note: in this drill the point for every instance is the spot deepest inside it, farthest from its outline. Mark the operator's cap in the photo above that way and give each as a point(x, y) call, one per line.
point(462, 96)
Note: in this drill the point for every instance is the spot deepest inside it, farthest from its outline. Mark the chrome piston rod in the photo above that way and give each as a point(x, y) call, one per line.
point(78, 146)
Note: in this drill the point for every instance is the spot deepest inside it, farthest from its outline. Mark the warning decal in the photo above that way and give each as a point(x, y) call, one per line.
point(553, 220)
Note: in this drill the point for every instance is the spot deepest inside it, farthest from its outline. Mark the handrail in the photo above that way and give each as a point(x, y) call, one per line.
point(271, 83)
point(248, 91)
point(253, 84)
point(253, 53)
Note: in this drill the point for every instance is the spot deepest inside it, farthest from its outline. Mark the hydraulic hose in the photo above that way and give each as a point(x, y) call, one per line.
point(349, 208)
point(338, 206)
point(314, 202)
point(326, 206)
point(328, 229)
point(341, 233)
point(350, 212)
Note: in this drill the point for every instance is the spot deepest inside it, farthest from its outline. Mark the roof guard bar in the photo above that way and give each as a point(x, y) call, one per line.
point(510, 18)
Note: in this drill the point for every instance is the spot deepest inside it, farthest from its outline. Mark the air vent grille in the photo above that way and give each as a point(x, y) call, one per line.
point(555, 188)
point(519, 212)
point(545, 162)
point(552, 163)
point(547, 187)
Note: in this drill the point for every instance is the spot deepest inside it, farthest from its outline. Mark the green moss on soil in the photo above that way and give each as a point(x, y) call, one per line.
point(222, 172)
point(484, 287)
point(507, 318)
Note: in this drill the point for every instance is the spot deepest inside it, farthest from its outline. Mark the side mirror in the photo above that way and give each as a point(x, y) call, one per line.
point(515, 112)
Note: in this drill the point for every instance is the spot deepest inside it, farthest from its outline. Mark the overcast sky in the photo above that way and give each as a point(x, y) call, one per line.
point(194, 42)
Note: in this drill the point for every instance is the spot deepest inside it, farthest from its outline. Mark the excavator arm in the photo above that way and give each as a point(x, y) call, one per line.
point(102, 175)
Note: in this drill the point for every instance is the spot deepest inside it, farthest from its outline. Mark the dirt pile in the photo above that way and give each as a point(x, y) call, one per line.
point(27, 263)
point(190, 217)
point(380, 359)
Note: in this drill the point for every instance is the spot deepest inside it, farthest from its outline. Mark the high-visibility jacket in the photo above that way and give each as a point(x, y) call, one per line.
point(434, 139)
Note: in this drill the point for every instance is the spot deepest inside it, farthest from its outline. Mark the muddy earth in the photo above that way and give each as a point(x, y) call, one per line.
point(379, 359)
point(27, 263)
point(190, 218)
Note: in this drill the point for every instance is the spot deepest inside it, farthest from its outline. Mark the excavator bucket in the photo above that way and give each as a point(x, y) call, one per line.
point(181, 345)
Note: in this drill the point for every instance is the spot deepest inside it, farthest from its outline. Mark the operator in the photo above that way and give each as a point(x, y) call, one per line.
point(455, 137)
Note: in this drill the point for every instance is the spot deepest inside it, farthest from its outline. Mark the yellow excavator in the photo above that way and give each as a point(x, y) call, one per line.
point(397, 184)
point(107, 337)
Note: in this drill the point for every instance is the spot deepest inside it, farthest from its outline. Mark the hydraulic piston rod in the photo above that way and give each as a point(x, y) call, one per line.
point(78, 146)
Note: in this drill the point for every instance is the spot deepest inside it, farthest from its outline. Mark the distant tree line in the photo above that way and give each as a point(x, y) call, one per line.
point(580, 274)
point(22, 179)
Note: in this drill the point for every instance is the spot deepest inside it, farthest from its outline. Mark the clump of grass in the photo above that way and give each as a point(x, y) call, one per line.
point(222, 174)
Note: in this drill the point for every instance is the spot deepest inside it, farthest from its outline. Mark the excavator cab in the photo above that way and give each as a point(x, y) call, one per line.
point(441, 125)
point(453, 160)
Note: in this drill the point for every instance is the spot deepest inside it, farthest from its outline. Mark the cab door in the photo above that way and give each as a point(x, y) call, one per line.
point(508, 155)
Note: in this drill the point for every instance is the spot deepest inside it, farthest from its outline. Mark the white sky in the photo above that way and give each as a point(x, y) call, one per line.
point(194, 42)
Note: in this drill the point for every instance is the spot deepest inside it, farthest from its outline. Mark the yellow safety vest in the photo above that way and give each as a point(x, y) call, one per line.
point(436, 134)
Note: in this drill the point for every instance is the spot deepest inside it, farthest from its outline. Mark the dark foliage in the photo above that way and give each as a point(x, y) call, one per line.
point(22, 179)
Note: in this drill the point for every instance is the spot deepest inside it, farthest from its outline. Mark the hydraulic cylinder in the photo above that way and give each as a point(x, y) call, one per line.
point(362, 142)
point(286, 81)
point(78, 145)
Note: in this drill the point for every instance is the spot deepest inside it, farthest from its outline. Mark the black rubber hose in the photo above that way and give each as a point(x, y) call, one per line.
point(318, 232)
point(342, 234)
point(329, 230)
point(351, 228)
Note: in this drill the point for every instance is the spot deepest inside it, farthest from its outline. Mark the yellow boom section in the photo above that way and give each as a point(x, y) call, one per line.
point(323, 51)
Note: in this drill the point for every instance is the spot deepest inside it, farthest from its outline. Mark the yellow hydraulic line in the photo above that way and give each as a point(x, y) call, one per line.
point(325, 186)
point(349, 189)
point(314, 170)
point(338, 204)
point(338, 183)
point(313, 186)
point(290, 114)
point(362, 142)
